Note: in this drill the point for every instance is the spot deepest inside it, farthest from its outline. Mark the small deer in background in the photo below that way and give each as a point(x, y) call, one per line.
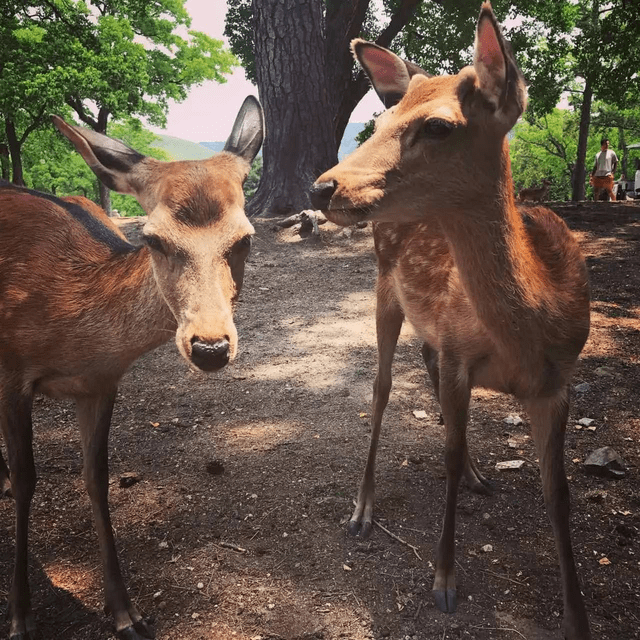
point(80, 304)
point(499, 295)
point(537, 194)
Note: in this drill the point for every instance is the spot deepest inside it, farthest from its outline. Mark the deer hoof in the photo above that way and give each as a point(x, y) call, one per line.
point(356, 528)
point(144, 627)
point(138, 631)
point(5, 488)
point(446, 601)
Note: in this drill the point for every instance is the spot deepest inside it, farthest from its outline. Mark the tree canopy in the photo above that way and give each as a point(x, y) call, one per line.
point(103, 58)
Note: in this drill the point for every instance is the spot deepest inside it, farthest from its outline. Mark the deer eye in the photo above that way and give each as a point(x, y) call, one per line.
point(436, 129)
point(154, 243)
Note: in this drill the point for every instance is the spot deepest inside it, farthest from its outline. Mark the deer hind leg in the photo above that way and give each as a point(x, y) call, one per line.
point(454, 400)
point(548, 422)
point(472, 474)
point(94, 418)
point(5, 481)
point(389, 319)
point(17, 432)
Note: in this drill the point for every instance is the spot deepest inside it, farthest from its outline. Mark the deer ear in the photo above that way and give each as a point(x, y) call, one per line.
point(500, 79)
point(248, 130)
point(389, 74)
point(111, 160)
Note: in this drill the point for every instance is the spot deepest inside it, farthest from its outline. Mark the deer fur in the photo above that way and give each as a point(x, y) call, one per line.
point(537, 194)
point(80, 305)
point(499, 295)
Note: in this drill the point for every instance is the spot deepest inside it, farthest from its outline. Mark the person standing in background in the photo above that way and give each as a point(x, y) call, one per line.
point(603, 170)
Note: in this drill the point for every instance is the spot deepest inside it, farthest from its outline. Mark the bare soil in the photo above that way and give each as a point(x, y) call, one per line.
point(236, 530)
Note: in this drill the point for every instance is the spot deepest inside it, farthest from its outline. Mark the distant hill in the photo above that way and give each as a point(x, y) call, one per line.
point(349, 143)
point(215, 147)
point(179, 149)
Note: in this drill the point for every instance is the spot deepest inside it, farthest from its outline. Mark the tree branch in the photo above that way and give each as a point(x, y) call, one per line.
point(398, 21)
point(78, 107)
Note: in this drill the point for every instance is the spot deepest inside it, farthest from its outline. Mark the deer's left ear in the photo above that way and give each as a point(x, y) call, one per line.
point(499, 77)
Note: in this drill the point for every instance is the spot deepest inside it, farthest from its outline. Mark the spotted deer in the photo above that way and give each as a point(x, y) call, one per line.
point(499, 295)
point(537, 194)
point(80, 304)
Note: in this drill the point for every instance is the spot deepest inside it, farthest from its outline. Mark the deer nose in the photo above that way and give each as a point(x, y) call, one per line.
point(210, 356)
point(321, 193)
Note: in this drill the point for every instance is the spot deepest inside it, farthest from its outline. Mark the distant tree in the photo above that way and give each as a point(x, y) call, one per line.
point(297, 52)
point(545, 147)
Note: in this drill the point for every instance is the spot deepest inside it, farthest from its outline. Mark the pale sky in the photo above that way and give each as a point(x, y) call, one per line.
point(209, 111)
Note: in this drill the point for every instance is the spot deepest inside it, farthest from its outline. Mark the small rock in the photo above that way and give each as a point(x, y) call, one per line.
point(215, 468)
point(596, 495)
point(513, 419)
point(585, 422)
point(420, 414)
point(200, 585)
point(487, 548)
point(509, 464)
point(129, 478)
point(605, 462)
point(603, 372)
point(582, 387)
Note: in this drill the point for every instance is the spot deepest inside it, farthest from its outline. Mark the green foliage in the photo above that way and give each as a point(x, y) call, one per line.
point(253, 179)
point(545, 148)
point(367, 132)
point(118, 59)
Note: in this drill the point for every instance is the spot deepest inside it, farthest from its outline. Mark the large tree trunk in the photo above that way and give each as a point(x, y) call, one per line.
point(299, 143)
point(15, 150)
point(5, 162)
point(579, 173)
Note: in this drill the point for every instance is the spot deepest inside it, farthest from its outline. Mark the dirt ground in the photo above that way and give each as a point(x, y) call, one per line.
point(236, 530)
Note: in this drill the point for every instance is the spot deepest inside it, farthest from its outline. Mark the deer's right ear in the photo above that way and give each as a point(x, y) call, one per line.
point(389, 74)
point(111, 160)
point(248, 130)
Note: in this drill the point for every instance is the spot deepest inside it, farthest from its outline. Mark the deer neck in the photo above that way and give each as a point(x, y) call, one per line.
point(141, 316)
point(500, 272)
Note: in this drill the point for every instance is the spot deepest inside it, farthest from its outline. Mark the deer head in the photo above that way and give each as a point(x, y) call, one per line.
point(197, 234)
point(437, 133)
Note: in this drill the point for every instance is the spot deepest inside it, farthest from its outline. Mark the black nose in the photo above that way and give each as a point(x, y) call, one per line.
point(209, 356)
point(321, 193)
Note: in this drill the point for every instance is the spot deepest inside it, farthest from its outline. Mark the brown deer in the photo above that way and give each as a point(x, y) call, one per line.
point(80, 304)
point(537, 194)
point(499, 295)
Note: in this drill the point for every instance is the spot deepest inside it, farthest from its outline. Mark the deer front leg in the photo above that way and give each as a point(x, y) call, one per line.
point(472, 475)
point(17, 432)
point(548, 422)
point(5, 481)
point(454, 400)
point(389, 319)
point(94, 418)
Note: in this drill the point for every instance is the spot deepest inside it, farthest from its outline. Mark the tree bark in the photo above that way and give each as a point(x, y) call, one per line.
point(579, 174)
point(15, 150)
point(4, 162)
point(299, 143)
